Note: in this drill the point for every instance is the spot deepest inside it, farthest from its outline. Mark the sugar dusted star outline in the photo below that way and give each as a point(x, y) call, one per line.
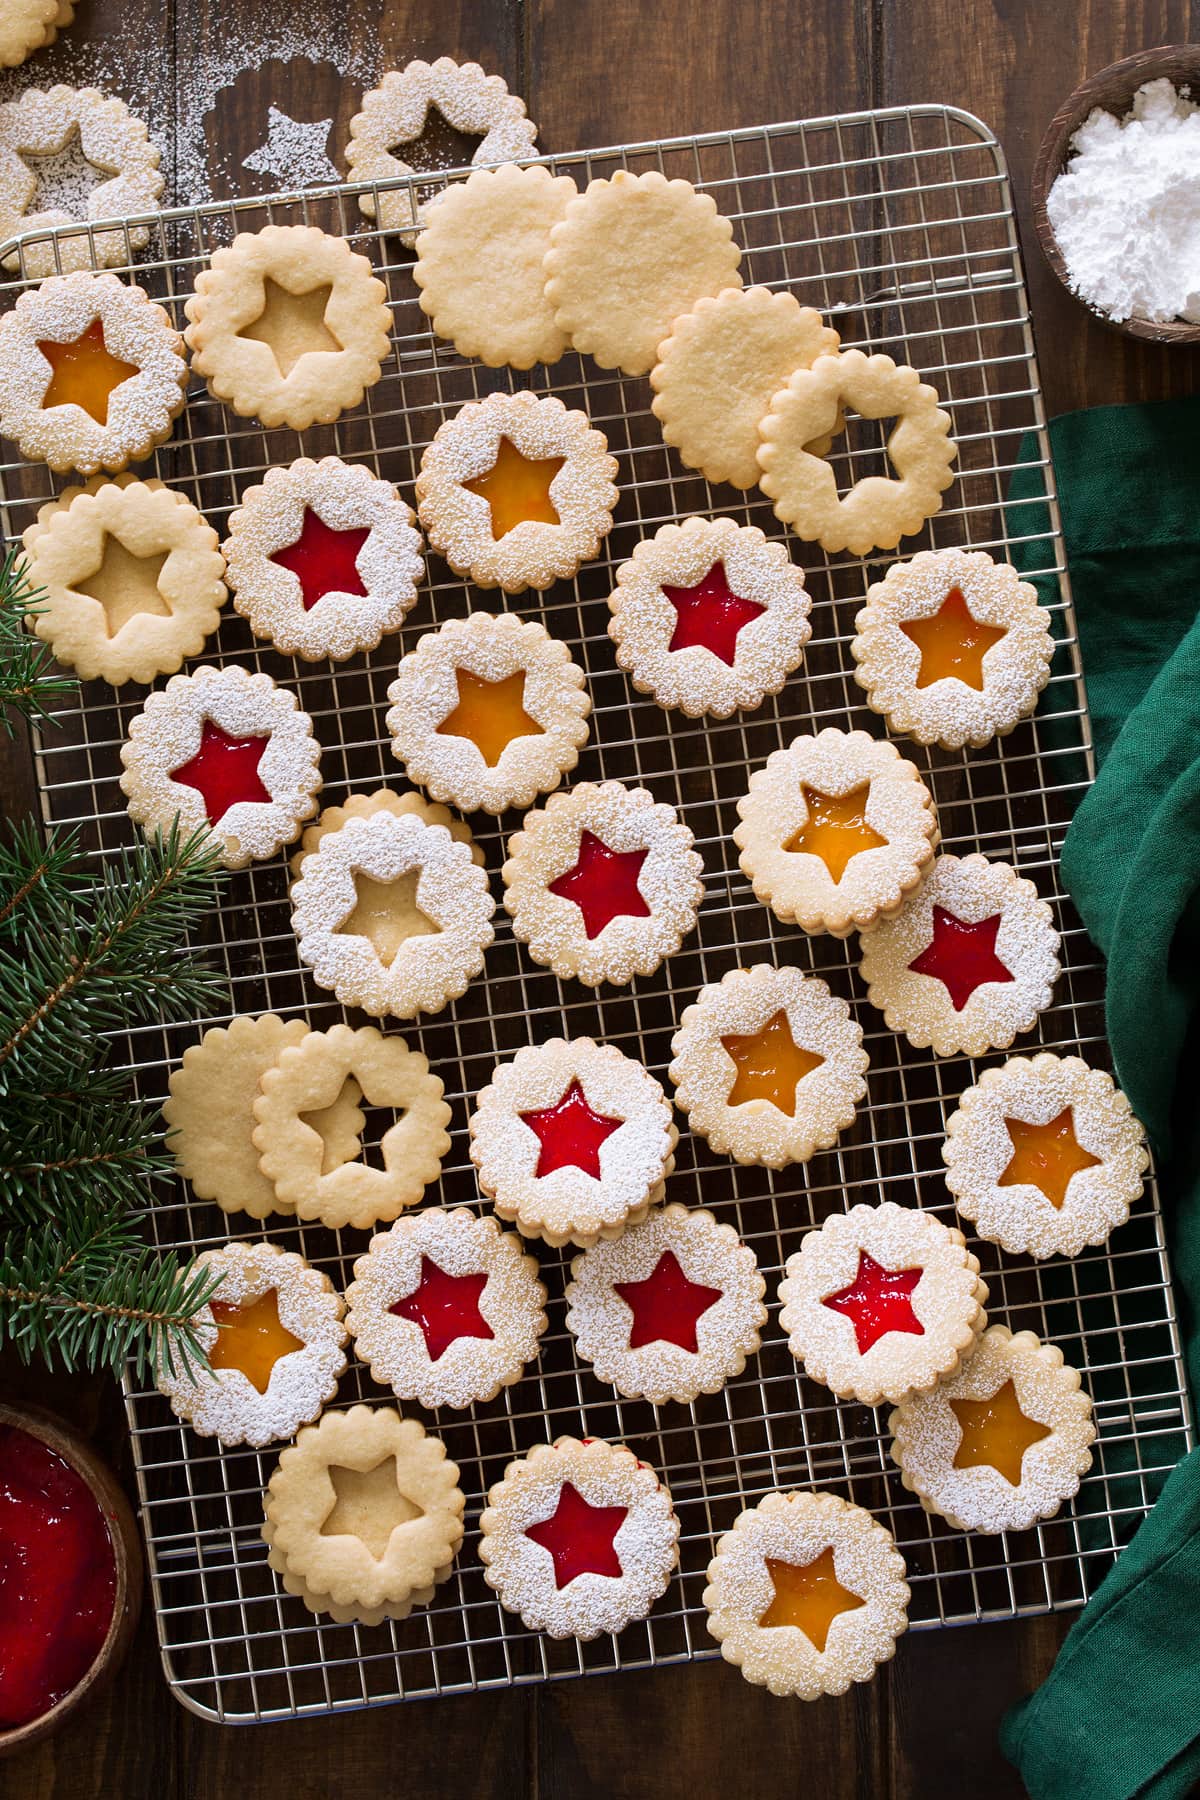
point(293, 144)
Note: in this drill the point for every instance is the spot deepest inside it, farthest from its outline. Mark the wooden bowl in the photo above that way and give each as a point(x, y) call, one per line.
point(127, 1553)
point(1113, 89)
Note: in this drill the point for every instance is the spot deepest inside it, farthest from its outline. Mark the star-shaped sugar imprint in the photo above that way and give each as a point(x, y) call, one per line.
point(295, 152)
point(580, 1537)
point(445, 1306)
point(877, 1301)
point(570, 1133)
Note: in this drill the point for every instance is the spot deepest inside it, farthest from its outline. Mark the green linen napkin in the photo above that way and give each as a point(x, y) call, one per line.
point(1120, 1712)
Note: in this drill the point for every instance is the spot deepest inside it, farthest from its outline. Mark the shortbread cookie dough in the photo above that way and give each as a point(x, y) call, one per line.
point(394, 115)
point(488, 712)
point(516, 492)
point(446, 1308)
point(1044, 1155)
point(578, 1538)
point(718, 372)
point(879, 510)
point(631, 253)
point(602, 883)
point(709, 616)
point(572, 1141)
point(29, 25)
point(968, 962)
point(392, 914)
point(132, 579)
point(365, 806)
point(836, 831)
point(41, 124)
point(669, 1310)
point(323, 559)
point(1003, 1443)
point(952, 648)
point(92, 374)
point(209, 1114)
point(225, 750)
point(768, 1065)
point(364, 1515)
point(479, 265)
point(306, 1078)
point(275, 1341)
point(881, 1302)
point(288, 326)
point(806, 1595)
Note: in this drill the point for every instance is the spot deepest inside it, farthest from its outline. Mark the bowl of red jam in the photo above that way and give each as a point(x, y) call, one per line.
point(70, 1574)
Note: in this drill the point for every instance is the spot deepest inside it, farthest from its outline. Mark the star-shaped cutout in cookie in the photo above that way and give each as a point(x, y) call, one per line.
point(580, 1537)
point(961, 955)
point(666, 1306)
point(295, 153)
point(324, 560)
point(836, 829)
point(770, 1064)
point(952, 643)
point(84, 372)
point(996, 1432)
point(603, 884)
point(224, 771)
point(446, 1307)
point(710, 614)
point(1046, 1156)
point(877, 1301)
point(808, 1596)
point(570, 1134)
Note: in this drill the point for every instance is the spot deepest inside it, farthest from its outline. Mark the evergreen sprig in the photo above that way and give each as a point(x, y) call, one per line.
point(87, 951)
point(30, 679)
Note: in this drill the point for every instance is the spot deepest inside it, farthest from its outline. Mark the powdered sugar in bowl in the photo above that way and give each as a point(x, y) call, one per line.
point(1116, 198)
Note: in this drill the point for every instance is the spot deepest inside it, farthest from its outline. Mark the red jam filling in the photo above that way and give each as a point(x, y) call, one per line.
point(877, 1301)
point(324, 561)
point(570, 1134)
point(603, 884)
point(224, 771)
point(710, 614)
point(446, 1307)
point(666, 1305)
point(58, 1578)
point(580, 1537)
point(961, 956)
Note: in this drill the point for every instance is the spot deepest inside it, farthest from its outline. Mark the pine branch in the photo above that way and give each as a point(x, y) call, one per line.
point(30, 680)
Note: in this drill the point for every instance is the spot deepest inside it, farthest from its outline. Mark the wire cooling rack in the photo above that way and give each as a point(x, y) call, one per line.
point(898, 225)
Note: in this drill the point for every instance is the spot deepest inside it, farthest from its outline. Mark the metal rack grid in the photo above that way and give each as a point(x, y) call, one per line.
point(899, 224)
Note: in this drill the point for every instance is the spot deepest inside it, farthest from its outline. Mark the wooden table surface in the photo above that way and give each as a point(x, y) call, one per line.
point(599, 72)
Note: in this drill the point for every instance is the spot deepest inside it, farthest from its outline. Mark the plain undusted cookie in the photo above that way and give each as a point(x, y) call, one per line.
point(721, 367)
point(479, 265)
point(631, 253)
point(29, 25)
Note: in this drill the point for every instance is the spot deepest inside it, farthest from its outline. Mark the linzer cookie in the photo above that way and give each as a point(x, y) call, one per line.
point(479, 264)
point(670, 1309)
point(92, 374)
point(879, 510)
point(952, 648)
point(578, 1538)
point(836, 831)
point(365, 806)
point(1044, 1155)
point(806, 1595)
point(307, 1078)
point(364, 1516)
point(882, 1302)
point(572, 1140)
point(602, 883)
point(709, 617)
point(288, 326)
point(968, 962)
point(630, 254)
point(1003, 1443)
point(323, 559)
point(392, 914)
point(29, 25)
point(132, 579)
point(488, 712)
point(516, 492)
point(446, 1308)
point(209, 1114)
point(721, 367)
point(395, 115)
point(274, 1338)
point(225, 750)
point(768, 1065)
point(41, 124)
